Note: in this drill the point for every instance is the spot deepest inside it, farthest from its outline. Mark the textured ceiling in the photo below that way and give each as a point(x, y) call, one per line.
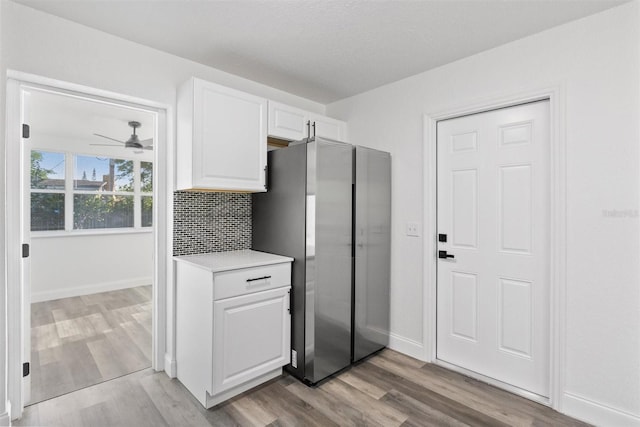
point(323, 50)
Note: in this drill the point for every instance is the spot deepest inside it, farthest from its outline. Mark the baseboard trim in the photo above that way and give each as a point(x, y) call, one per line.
point(170, 366)
point(406, 346)
point(89, 289)
point(597, 413)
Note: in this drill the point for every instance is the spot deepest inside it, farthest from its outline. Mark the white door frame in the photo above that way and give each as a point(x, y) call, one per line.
point(558, 228)
point(162, 213)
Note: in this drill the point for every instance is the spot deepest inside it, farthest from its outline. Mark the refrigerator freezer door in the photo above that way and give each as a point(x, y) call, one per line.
point(372, 235)
point(329, 258)
point(279, 228)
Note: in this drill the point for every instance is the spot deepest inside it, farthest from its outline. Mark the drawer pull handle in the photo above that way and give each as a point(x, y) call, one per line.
point(258, 278)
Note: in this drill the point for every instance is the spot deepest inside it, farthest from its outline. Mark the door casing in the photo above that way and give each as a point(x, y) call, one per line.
point(557, 257)
point(163, 227)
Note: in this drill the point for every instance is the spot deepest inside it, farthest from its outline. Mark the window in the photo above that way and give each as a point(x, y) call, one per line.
point(94, 193)
point(47, 190)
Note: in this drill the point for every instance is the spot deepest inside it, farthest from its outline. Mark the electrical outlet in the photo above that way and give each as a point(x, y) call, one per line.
point(413, 229)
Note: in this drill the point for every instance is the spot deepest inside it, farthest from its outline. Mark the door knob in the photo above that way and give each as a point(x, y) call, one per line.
point(444, 254)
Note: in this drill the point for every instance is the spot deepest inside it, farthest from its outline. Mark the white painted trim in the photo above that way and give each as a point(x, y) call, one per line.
point(170, 366)
point(597, 413)
point(163, 224)
point(406, 346)
point(89, 232)
point(13, 242)
point(89, 289)
point(558, 228)
point(108, 97)
point(168, 328)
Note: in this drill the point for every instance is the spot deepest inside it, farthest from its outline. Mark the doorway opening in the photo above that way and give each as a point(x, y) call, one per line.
point(90, 203)
point(86, 304)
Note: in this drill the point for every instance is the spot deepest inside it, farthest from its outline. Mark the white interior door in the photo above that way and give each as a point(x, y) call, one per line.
point(493, 207)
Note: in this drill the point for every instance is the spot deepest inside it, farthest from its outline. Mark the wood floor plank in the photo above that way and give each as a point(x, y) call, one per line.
point(339, 411)
point(86, 342)
point(388, 389)
point(362, 385)
point(290, 409)
point(389, 380)
point(148, 398)
point(419, 412)
point(103, 413)
point(170, 403)
point(500, 398)
point(373, 410)
point(44, 337)
point(251, 412)
point(476, 401)
point(136, 407)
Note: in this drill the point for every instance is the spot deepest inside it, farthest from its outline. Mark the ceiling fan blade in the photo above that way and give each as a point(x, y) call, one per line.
point(106, 145)
point(148, 142)
point(108, 137)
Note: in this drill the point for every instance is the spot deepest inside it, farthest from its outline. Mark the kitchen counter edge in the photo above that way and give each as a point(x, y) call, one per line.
point(232, 260)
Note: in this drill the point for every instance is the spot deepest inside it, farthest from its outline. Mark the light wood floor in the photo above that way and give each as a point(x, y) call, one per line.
point(389, 389)
point(82, 341)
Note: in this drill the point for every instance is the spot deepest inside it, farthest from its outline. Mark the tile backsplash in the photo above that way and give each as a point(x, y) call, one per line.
point(210, 222)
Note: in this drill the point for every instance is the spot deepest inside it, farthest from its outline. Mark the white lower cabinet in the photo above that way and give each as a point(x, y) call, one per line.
point(233, 325)
point(251, 337)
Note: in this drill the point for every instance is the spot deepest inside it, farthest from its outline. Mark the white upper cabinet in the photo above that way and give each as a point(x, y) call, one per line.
point(287, 122)
point(222, 138)
point(294, 124)
point(327, 127)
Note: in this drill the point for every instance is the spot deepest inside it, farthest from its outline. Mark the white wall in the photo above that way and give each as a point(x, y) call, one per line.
point(596, 60)
point(80, 265)
point(42, 44)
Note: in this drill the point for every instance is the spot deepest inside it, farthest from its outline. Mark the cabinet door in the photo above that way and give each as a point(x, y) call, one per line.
point(287, 122)
point(251, 336)
point(327, 127)
point(229, 138)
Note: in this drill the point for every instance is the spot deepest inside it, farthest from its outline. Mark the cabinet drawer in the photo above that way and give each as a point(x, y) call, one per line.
point(247, 280)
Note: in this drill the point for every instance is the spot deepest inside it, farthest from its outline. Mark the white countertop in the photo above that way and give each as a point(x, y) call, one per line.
point(232, 260)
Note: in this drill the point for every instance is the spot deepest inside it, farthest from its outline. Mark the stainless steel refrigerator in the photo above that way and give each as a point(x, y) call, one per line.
point(328, 206)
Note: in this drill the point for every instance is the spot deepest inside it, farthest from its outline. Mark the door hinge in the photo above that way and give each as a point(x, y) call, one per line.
point(266, 177)
point(25, 250)
point(26, 131)
point(25, 369)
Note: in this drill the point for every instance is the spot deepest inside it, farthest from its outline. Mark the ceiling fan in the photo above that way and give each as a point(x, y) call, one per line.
point(133, 142)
